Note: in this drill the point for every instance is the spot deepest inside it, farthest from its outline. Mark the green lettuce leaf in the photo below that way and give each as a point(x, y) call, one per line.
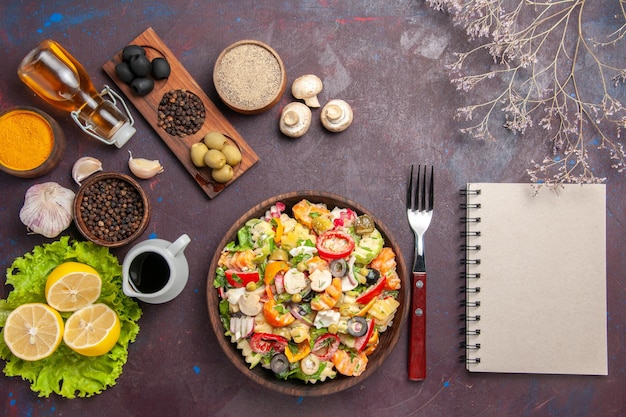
point(66, 372)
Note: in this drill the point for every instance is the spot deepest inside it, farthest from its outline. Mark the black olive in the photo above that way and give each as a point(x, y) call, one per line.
point(338, 268)
point(160, 68)
point(372, 276)
point(140, 65)
point(279, 363)
point(142, 85)
point(307, 294)
point(130, 51)
point(357, 326)
point(124, 72)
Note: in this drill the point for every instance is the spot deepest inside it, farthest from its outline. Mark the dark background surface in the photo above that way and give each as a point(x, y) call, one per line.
point(386, 58)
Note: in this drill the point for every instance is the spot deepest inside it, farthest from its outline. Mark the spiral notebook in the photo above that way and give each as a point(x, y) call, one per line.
point(535, 279)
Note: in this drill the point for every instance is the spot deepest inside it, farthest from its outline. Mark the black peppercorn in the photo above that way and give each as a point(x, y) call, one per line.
point(100, 211)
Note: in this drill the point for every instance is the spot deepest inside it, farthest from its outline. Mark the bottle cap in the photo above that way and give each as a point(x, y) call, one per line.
point(123, 135)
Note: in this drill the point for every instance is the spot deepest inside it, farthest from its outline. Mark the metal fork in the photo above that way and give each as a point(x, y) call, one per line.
point(419, 211)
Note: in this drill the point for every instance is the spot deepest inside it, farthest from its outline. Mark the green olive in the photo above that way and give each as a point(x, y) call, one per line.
point(321, 224)
point(215, 140)
point(223, 174)
point(251, 286)
point(296, 298)
point(364, 224)
point(198, 150)
point(233, 156)
point(279, 254)
point(214, 159)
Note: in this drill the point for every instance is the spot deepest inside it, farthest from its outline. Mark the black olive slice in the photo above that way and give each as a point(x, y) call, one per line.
point(279, 363)
point(357, 326)
point(338, 268)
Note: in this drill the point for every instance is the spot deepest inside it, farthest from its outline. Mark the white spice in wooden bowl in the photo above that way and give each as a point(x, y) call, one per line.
point(249, 77)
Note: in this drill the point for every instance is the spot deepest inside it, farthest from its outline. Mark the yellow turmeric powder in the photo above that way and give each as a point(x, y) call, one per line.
point(26, 140)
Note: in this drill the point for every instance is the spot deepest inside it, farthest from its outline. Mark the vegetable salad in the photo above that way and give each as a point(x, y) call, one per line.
point(307, 295)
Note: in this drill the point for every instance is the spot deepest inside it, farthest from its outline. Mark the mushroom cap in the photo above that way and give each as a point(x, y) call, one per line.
point(336, 115)
point(307, 87)
point(295, 119)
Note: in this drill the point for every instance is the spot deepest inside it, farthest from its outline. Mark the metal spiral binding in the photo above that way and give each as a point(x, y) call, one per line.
point(469, 360)
point(466, 192)
point(466, 233)
point(466, 332)
point(470, 219)
point(474, 346)
point(469, 345)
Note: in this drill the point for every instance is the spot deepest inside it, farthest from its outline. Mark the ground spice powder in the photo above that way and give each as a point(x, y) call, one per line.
point(248, 77)
point(26, 140)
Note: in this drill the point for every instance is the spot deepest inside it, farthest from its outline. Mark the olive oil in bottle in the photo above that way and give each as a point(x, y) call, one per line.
point(57, 77)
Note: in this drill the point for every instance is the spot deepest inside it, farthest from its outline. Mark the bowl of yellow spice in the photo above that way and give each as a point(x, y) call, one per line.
point(31, 142)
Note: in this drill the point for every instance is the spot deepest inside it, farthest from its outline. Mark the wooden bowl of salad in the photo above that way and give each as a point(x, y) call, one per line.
point(307, 293)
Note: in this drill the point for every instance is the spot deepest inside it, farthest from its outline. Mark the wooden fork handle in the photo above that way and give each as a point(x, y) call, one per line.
point(417, 335)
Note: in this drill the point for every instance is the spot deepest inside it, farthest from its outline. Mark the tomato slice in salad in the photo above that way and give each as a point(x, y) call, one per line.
point(325, 346)
point(239, 279)
point(334, 244)
point(267, 342)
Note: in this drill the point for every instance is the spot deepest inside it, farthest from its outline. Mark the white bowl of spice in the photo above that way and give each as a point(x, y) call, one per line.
point(31, 142)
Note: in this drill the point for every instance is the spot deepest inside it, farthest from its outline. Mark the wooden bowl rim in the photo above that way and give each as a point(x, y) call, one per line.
point(218, 84)
point(263, 376)
point(101, 176)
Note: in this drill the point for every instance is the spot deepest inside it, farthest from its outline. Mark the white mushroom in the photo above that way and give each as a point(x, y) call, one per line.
point(250, 304)
point(336, 115)
point(307, 87)
point(295, 119)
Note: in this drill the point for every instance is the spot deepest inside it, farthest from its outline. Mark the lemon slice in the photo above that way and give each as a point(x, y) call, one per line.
point(92, 330)
point(33, 331)
point(72, 285)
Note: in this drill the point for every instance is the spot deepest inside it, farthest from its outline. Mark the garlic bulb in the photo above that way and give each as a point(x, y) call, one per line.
point(84, 167)
point(48, 209)
point(144, 168)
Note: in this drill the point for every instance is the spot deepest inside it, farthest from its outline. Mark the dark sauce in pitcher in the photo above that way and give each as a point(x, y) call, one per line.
point(149, 272)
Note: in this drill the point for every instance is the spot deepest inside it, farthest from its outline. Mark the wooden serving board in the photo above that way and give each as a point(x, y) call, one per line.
point(214, 120)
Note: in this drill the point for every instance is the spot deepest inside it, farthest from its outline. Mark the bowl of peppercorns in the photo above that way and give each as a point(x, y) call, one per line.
point(111, 209)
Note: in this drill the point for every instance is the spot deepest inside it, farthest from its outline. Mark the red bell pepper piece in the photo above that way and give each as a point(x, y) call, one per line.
point(240, 278)
point(372, 292)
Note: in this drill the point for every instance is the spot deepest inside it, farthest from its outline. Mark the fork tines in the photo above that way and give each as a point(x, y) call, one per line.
point(418, 195)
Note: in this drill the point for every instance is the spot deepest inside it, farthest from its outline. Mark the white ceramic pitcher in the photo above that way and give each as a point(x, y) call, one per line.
point(156, 271)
